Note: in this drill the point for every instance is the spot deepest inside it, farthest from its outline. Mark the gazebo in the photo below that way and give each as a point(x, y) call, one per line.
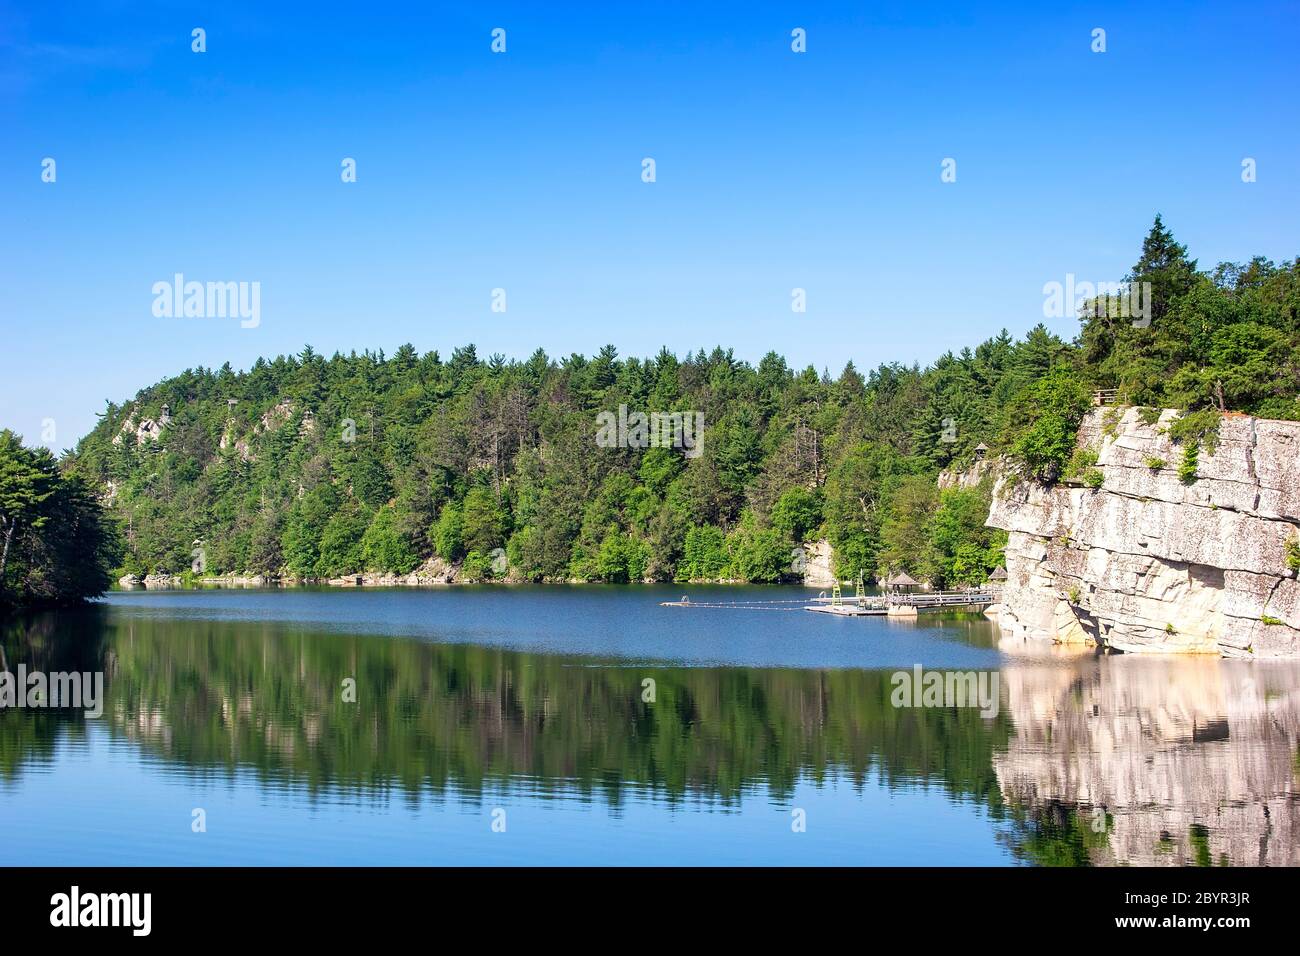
point(901, 581)
point(999, 575)
point(980, 451)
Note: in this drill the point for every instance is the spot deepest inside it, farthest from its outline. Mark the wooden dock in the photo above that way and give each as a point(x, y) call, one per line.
point(940, 599)
point(893, 604)
point(852, 609)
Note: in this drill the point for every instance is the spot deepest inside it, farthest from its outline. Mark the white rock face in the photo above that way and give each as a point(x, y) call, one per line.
point(146, 430)
point(274, 417)
point(433, 571)
point(819, 567)
point(1147, 562)
point(971, 476)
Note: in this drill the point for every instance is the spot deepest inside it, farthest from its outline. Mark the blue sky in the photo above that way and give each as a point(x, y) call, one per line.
point(522, 171)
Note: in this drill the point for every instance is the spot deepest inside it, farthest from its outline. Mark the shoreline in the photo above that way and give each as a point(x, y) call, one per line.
point(372, 580)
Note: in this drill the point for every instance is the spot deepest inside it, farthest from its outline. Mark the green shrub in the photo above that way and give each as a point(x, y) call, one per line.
point(622, 558)
point(340, 543)
point(476, 567)
point(1293, 554)
point(705, 557)
point(1043, 421)
point(386, 547)
point(1194, 431)
point(1155, 464)
point(1081, 462)
point(1199, 428)
point(1271, 621)
point(1094, 478)
point(756, 554)
point(448, 540)
point(797, 513)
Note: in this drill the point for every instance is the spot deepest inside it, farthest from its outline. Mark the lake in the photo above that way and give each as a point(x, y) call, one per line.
point(589, 725)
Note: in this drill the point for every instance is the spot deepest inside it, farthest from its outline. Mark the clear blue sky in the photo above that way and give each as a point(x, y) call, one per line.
point(523, 171)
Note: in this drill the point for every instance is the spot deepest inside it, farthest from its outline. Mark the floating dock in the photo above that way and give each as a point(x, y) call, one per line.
point(847, 610)
point(895, 604)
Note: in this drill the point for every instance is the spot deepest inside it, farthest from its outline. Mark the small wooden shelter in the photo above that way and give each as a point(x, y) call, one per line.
point(901, 581)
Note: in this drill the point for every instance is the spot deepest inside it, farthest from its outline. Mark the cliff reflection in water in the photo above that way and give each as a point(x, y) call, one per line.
point(1091, 760)
point(1149, 761)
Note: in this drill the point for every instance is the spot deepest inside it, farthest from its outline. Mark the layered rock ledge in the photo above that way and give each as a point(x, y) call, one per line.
point(1147, 562)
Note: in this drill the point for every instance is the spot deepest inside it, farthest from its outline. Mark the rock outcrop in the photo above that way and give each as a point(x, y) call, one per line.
point(978, 471)
point(147, 430)
point(818, 565)
point(1144, 561)
point(433, 571)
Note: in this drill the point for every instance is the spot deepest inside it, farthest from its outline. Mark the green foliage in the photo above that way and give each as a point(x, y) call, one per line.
point(340, 545)
point(304, 528)
point(856, 495)
point(1110, 422)
point(1221, 338)
point(1271, 621)
point(705, 557)
point(1293, 554)
point(960, 549)
point(1199, 428)
point(797, 514)
point(1045, 417)
point(1094, 478)
point(905, 533)
point(448, 534)
point(56, 544)
point(756, 554)
point(476, 567)
point(621, 559)
point(385, 547)
point(1154, 463)
point(483, 520)
point(459, 455)
point(1080, 464)
point(1194, 431)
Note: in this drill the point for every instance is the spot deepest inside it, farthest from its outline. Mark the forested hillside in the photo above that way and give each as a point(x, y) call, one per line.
point(313, 466)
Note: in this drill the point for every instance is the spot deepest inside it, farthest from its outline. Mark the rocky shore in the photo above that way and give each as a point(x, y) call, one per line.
point(816, 570)
point(1143, 559)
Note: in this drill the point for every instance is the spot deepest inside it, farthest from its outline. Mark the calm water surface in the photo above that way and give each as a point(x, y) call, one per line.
point(527, 706)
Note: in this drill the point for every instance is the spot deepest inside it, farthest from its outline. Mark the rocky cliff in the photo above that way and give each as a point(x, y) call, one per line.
point(818, 565)
point(1139, 559)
